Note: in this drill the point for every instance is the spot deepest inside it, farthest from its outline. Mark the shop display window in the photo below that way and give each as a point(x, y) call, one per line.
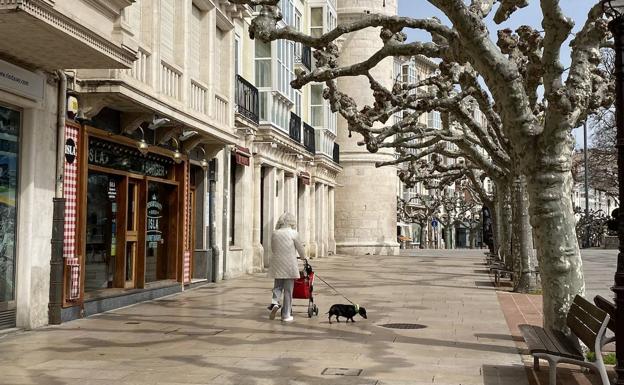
point(9, 160)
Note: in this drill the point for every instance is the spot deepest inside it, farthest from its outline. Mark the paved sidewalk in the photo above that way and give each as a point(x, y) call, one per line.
point(220, 334)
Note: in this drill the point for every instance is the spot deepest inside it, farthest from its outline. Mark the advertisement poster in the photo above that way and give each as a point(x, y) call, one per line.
point(154, 209)
point(9, 145)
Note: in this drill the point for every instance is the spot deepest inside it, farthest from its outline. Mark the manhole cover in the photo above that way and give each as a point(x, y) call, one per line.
point(341, 372)
point(403, 326)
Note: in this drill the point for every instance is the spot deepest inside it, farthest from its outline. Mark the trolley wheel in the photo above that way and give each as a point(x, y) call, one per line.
point(310, 309)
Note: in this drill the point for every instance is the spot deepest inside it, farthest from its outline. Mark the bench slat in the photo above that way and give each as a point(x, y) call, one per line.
point(583, 314)
point(585, 320)
point(540, 341)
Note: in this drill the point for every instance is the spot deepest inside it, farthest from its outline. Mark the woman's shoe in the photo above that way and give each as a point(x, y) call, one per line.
point(274, 311)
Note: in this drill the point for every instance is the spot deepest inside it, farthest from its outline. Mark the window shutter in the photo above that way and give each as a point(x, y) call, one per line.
point(167, 17)
point(195, 41)
point(135, 19)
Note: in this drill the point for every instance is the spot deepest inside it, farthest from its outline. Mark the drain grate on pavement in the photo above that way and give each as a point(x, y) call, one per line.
point(341, 372)
point(403, 326)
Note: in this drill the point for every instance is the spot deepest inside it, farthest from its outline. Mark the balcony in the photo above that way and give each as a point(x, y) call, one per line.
point(309, 141)
point(295, 127)
point(247, 101)
point(336, 156)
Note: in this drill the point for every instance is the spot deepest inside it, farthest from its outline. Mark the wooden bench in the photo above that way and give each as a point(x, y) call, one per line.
point(609, 308)
point(588, 323)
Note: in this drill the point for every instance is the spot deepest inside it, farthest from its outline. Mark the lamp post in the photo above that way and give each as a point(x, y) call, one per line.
point(615, 10)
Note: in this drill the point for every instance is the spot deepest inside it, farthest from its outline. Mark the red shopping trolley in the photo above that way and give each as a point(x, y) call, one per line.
point(304, 287)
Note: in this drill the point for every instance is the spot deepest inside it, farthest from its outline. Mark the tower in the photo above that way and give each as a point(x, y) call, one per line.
point(365, 201)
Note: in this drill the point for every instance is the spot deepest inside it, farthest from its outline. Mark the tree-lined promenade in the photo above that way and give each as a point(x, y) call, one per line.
point(530, 101)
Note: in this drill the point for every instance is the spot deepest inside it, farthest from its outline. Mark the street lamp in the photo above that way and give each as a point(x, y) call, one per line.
point(615, 10)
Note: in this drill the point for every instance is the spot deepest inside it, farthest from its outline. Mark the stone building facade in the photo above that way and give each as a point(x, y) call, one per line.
point(39, 38)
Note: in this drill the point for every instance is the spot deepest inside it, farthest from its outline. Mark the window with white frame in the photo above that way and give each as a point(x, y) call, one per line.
point(316, 21)
point(288, 8)
point(237, 55)
point(298, 106)
point(435, 121)
point(298, 27)
point(285, 67)
point(263, 76)
point(316, 105)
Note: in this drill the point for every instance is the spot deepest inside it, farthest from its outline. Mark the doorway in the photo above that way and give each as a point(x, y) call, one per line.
point(162, 234)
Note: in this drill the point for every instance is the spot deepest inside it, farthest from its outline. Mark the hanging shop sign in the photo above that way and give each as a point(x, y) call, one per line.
point(241, 155)
point(305, 177)
point(119, 157)
point(21, 81)
point(70, 150)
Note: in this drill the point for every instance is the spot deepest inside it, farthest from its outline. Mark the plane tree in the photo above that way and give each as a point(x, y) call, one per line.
point(519, 83)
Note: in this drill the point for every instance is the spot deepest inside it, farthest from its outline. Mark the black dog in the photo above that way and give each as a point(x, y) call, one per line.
point(346, 311)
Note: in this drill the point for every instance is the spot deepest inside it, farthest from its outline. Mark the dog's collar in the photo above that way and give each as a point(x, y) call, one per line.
point(357, 308)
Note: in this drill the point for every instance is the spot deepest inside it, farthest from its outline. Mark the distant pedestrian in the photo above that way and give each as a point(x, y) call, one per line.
point(285, 250)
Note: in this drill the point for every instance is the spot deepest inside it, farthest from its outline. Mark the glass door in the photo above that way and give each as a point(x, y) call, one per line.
point(161, 240)
point(102, 220)
point(131, 239)
point(9, 151)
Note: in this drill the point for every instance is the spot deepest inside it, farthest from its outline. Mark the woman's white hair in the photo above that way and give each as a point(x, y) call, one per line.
point(286, 220)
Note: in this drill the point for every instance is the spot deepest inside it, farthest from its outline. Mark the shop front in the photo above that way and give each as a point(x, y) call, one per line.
point(10, 119)
point(131, 223)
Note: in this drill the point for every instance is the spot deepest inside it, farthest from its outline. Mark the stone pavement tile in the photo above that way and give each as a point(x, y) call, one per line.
point(525, 308)
point(221, 334)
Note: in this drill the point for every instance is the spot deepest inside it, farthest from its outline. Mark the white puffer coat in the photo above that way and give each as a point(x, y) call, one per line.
point(285, 245)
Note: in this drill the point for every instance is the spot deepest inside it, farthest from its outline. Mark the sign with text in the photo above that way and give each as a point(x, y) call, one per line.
point(20, 81)
point(111, 155)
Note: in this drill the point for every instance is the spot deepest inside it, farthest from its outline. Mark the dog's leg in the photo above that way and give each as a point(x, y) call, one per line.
point(330, 319)
point(337, 320)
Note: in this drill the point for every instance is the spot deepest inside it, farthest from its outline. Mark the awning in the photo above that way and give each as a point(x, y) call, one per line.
point(402, 224)
point(305, 177)
point(241, 155)
point(37, 34)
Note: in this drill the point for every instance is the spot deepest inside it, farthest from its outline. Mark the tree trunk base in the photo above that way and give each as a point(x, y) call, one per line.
point(527, 283)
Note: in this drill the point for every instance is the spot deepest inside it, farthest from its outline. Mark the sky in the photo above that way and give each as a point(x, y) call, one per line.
point(530, 15)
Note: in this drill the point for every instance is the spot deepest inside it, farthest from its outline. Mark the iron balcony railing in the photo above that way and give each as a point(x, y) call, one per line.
point(309, 141)
point(295, 127)
point(247, 100)
point(336, 153)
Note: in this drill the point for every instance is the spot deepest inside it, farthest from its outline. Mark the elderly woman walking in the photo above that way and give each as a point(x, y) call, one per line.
point(286, 249)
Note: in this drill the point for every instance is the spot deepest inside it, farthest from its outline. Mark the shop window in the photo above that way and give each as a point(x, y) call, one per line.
point(236, 216)
point(9, 146)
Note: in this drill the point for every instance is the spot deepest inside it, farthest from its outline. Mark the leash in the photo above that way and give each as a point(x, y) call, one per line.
point(342, 295)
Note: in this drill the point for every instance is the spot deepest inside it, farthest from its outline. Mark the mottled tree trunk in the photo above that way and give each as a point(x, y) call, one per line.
point(504, 219)
point(524, 258)
point(423, 234)
point(495, 225)
point(549, 182)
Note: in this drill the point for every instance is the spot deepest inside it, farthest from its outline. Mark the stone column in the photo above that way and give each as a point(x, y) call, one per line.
point(367, 221)
point(258, 250)
point(280, 205)
point(331, 222)
point(269, 212)
point(312, 249)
